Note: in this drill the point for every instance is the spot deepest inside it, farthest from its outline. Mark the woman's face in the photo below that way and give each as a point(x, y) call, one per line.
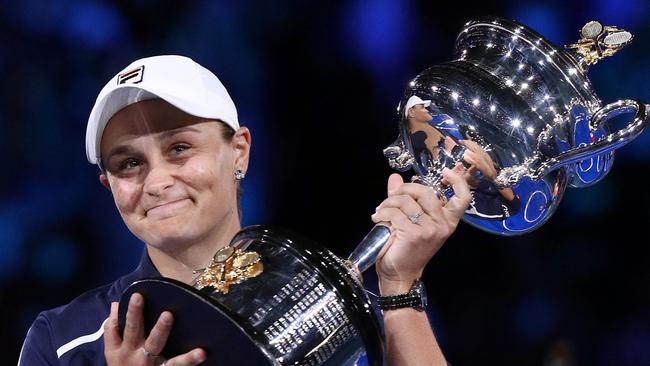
point(172, 174)
point(420, 114)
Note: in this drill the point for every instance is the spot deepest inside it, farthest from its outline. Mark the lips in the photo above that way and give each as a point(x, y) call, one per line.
point(168, 209)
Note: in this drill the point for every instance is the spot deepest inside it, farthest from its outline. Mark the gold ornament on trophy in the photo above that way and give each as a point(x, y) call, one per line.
point(599, 41)
point(229, 266)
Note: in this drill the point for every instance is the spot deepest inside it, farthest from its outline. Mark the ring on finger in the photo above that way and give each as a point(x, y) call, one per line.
point(414, 218)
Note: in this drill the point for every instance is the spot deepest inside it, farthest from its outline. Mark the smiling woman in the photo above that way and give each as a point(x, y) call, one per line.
point(165, 135)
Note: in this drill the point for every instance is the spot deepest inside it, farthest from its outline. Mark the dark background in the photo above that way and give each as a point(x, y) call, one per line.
point(318, 83)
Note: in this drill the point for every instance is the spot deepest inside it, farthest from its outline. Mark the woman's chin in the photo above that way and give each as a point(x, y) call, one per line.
point(171, 236)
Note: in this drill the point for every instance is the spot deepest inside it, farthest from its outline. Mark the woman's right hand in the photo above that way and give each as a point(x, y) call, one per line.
point(134, 349)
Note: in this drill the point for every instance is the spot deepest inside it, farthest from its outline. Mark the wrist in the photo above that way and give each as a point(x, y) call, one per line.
point(414, 298)
point(391, 287)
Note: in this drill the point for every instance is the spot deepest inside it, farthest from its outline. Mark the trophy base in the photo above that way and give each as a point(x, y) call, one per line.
point(306, 307)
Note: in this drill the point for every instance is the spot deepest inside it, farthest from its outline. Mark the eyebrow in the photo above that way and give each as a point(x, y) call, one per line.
point(167, 134)
point(119, 150)
point(128, 150)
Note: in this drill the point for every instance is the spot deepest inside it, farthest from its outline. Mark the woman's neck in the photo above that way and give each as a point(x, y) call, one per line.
point(181, 261)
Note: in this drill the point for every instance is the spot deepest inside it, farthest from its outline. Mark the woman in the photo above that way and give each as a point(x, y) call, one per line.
point(165, 135)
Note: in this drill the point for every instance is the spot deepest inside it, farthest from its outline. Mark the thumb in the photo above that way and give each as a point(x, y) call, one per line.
point(394, 181)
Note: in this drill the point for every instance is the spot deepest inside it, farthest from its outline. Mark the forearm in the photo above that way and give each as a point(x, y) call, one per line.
point(409, 337)
point(410, 340)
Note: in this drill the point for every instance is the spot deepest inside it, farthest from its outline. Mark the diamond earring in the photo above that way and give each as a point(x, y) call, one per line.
point(239, 174)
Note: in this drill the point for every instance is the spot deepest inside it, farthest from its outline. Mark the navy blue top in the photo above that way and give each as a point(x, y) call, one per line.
point(73, 334)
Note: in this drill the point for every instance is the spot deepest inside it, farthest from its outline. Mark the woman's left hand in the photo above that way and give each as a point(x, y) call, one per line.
point(420, 223)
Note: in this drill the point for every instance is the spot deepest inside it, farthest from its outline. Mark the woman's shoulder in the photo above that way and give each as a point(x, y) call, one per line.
point(74, 330)
point(57, 331)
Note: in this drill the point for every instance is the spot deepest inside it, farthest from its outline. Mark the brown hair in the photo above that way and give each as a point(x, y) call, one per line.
point(228, 133)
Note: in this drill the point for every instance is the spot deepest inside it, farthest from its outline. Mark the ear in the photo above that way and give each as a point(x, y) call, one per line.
point(410, 113)
point(241, 143)
point(104, 181)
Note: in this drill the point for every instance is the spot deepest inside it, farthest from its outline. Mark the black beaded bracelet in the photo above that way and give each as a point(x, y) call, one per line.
point(398, 301)
point(416, 298)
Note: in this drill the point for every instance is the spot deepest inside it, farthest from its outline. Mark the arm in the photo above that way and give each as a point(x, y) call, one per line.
point(409, 338)
point(37, 348)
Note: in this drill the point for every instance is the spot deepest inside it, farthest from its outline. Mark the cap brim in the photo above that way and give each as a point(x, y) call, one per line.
point(105, 108)
point(125, 95)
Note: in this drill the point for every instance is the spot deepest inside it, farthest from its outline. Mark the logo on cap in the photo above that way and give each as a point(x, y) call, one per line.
point(132, 76)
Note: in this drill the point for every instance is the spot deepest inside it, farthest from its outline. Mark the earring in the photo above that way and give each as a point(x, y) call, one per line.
point(239, 174)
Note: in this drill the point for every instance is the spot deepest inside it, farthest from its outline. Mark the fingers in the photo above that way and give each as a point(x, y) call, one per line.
point(112, 337)
point(123, 351)
point(456, 206)
point(478, 158)
point(392, 215)
point(191, 358)
point(470, 144)
point(413, 198)
point(470, 157)
point(404, 202)
point(475, 164)
point(394, 182)
point(134, 328)
point(157, 338)
point(481, 161)
point(458, 168)
point(427, 204)
point(415, 190)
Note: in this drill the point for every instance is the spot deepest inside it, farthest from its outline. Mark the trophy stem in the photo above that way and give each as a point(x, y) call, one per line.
point(366, 253)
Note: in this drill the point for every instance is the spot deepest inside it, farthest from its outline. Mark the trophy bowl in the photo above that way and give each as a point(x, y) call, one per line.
point(521, 114)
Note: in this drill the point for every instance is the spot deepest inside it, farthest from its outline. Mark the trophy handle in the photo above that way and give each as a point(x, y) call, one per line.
point(365, 254)
point(612, 141)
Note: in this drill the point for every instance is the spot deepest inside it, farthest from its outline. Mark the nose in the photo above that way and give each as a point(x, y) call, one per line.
point(158, 179)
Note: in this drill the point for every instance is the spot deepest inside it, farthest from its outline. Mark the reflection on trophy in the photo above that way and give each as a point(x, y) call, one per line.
point(431, 146)
point(528, 108)
point(517, 114)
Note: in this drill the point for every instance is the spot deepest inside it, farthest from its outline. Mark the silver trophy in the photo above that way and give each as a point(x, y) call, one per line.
point(517, 111)
point(521, 108)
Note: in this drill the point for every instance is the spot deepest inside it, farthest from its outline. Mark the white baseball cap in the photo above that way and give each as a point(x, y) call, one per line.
point(178, 80)
point(415, 100)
